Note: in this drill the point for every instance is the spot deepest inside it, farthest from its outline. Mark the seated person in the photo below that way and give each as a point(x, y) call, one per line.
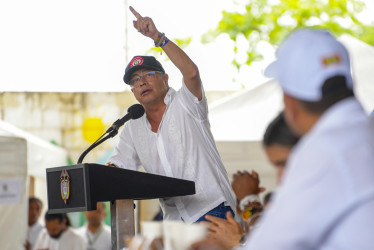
point(58, 235)
point(35, 227)
point(95, 232)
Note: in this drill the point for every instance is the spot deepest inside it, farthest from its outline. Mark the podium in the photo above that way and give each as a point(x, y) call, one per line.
point(79, 187)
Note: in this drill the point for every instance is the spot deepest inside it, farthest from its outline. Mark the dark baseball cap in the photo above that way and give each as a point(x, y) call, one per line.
point(141, 62)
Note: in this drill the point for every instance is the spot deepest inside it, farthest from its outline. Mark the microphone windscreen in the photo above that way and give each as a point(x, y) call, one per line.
point(136, 110)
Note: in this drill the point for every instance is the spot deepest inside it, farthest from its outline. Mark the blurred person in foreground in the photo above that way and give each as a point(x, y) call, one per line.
point(326, 199)
point(35, 226)
point(277, 142)
point(330, 172)
point(173, 138)
point(96, 234)
point(58, 235)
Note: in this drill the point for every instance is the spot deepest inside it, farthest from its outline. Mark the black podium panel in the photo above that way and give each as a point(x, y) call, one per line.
point(90, 183)
point(77, 199)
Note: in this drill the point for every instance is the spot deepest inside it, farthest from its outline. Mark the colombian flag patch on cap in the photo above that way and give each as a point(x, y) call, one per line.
point(138, 60)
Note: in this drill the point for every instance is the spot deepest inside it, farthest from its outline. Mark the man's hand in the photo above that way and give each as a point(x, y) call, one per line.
point(111, 164)
point(226, 232)
point(144, 25)
point(245, 183)
point(27, 245)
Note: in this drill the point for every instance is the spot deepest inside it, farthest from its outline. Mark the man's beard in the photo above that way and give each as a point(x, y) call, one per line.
point(58, 235)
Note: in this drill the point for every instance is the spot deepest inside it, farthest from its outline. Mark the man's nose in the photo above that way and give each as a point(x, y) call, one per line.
point(143, 80)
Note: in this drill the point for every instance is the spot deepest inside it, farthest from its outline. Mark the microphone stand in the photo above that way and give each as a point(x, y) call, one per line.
point(111, 134)
point(134, 112)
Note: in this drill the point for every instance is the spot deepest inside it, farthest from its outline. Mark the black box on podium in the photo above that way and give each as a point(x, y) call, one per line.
point(91, 183)
point(79, 187)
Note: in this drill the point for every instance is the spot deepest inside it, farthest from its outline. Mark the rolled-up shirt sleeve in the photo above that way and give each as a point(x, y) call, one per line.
point(198, 109)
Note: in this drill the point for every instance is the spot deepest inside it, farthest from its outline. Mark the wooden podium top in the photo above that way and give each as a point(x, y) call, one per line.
point(86, 184)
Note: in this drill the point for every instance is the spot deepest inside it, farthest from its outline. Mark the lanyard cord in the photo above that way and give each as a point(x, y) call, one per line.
point(96, 236)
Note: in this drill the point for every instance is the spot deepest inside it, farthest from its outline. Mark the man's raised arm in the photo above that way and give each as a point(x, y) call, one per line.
point(180, 59)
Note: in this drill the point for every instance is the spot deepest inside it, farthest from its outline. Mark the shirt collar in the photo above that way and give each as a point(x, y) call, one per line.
point(167, 100)
point(169, 96)
point(343, 112)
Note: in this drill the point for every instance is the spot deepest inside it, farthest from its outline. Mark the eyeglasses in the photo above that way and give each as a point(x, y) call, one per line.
point(136, 81)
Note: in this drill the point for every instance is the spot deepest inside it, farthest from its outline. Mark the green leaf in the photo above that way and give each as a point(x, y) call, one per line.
point(272, 21)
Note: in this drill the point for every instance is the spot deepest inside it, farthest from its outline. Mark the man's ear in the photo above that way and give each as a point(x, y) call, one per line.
point(289, 106)
point(292, 112)
point(166, 79)
point(132, 90)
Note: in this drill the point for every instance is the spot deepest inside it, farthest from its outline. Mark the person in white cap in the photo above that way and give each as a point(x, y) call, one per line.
point(173, 138)
point(326, 199)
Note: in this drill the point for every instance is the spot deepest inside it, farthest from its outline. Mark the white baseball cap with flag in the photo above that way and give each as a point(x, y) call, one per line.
point(305, 60)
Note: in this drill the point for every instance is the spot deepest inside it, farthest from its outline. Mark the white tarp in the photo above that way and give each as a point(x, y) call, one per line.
point(13, 182)
point(41, 154)
point(362, 58)
point(22, 155)
point(245, 115)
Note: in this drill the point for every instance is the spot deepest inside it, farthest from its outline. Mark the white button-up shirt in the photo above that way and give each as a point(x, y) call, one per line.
point(68, 240)
point(184, 148)
point(33, 233)
point(101, 240)
point(326, 200)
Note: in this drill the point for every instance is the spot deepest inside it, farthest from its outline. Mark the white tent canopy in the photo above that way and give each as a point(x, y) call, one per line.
point(362, 59)
point(40, 153)
point(22, 156)
point(245, 115)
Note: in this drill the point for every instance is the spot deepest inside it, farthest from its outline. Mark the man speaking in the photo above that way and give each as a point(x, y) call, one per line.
point(173, 138)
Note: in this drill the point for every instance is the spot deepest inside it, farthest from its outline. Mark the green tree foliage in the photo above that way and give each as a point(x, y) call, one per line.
point(272, 20)
point(181, 42)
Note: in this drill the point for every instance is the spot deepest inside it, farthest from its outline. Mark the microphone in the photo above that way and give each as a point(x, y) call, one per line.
point(133, 112)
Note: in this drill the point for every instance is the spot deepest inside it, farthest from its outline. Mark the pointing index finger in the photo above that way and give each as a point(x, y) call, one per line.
point(136, 14)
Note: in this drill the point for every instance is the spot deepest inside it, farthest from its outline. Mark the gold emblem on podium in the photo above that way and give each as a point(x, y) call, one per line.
point(65, 185)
